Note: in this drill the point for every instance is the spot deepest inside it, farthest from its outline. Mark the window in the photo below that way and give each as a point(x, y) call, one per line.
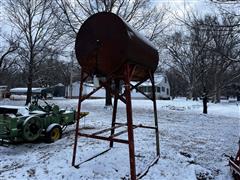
point(165, 78)
point(141, 88)
point(167, 91)
point(144, 89)
point(158, 89)
point(149, 89)
point(163, 89)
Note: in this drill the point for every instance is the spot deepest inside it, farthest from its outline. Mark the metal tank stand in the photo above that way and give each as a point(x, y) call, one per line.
point(125, 98)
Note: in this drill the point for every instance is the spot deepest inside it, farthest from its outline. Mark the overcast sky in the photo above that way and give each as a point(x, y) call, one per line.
point(198, 6)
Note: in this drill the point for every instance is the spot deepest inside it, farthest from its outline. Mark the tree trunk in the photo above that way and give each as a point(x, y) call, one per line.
point(205, 105)
point(218, 95)
point(30, 80)
point(217, 92)
point(29, 90)
point(190, 93)
point(194, 94)
point(108, 100)
point(205, 101)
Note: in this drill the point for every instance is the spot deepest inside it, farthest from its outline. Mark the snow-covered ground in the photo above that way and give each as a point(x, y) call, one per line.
point(192, 144)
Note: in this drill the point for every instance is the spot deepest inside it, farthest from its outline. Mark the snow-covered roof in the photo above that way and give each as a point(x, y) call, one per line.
point(89, 84)
point(59, 84)
point(77, 83)
point(146, 83)
point(23, 110)
point(24, 90)
point(3, 87)
point(158, 78)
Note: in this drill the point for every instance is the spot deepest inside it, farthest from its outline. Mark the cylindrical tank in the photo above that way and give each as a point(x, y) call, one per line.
point(105, 42)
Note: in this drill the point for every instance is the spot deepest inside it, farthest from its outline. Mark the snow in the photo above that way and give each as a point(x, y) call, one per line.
point(18, 97)
point(192, 144)
point(23, 110)
point(158, 78)
point(24, 90)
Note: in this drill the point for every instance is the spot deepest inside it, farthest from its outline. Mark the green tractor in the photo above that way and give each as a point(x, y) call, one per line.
point(20, 123)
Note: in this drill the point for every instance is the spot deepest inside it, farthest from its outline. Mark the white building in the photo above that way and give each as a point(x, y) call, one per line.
point(21, 93)
point(162, 88)
point(3, 91)
point(87, 88)
point(161, 82)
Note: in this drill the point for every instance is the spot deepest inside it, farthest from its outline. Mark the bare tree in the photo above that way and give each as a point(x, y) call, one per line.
point(225, 1)
point(177, 83)
point(54, 71)
point(188, 53)
point(228, 7)
point(5, 61)
point(8, 58)
point(224, 52)
point(207, 53)
point(34, 20)
point(141, 14)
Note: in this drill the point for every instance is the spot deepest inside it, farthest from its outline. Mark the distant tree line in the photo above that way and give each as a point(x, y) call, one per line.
point(205, 57)
point(51, 72)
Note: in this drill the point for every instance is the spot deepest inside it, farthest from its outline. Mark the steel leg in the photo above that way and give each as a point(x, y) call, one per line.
point(117, 85)
point(155, 113)
point(78, 117)
point(130, 123)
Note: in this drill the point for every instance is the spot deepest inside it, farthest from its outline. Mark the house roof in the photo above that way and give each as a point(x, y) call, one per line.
point(89, 84)
point(18, 109)
point(158, 78)
point(24, 90)
point(59, 84)
point(76, 83)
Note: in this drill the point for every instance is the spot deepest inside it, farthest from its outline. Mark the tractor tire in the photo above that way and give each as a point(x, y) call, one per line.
point(32, 128)
point(53, 133)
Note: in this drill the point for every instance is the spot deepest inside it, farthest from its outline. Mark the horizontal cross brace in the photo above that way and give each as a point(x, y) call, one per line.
point(104, 138)
point(108, 129)
point(121, 132)
point(137, 126)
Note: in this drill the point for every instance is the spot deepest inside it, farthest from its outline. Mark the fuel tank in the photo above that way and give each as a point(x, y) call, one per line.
point(105, 42)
